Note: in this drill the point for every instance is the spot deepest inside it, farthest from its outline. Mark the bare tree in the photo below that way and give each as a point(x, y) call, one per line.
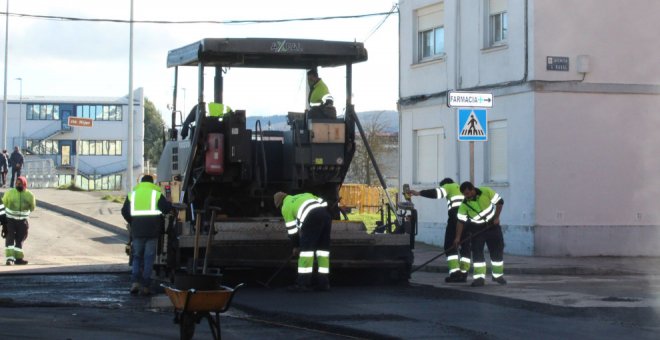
point(361, 169)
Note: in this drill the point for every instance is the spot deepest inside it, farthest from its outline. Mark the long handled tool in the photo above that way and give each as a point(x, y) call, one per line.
point(284, 265)
point(207, 250)
point(450, 249)
point(198, 226)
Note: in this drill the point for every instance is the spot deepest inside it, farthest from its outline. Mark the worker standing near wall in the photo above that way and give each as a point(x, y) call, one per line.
point(480, 211)
point(308, 225)
point(458, 267)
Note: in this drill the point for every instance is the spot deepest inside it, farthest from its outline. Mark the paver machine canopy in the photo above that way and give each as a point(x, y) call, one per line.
point(312, 155)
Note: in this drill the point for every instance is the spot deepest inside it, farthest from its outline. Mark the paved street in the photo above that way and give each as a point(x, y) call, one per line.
point(77, 279)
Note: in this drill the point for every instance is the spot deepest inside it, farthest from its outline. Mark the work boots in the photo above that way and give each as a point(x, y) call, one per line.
point(478, 282)
point(21, 262)
point(500, 280)
point(135, 288)
point(322, 284)
point(10, 262)
point(456, 276)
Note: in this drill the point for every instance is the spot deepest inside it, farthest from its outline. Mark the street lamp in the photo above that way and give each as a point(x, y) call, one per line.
point(20, 114)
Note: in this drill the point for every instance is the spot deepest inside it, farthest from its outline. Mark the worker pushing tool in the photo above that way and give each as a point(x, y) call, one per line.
point(480, 212)
point(458, 267)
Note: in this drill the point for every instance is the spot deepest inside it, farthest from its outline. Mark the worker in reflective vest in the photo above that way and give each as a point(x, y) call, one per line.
point(318, 91)
point(143, 209)
point(480, 211)
point(458, 268)
point(18, 202)
point(211, 109)
point(308, 225)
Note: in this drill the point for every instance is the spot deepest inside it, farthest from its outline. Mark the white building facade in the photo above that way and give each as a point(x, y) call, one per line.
point(572, 135)
point(56, 152)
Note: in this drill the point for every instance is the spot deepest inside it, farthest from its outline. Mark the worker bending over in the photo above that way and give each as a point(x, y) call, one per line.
point(308, 225)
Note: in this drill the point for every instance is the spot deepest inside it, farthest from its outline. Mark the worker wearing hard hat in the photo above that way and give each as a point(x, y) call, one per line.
point(308, 225)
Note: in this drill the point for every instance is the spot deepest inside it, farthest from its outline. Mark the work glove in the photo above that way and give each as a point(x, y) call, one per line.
point(184, 133)
point(127, 249)
point(4, 231)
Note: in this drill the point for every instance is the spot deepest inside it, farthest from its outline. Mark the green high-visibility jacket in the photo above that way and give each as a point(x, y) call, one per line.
point(217, 109)
point(319, 94)
point(481, 210)
point(450, 191)
point(18, 204)
point(295, 209)
point(144, 200)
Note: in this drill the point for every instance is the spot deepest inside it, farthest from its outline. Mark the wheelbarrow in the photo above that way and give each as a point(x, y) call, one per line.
point(192, 305)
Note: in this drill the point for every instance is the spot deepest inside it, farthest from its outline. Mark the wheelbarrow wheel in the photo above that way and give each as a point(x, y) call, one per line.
point(187, 326)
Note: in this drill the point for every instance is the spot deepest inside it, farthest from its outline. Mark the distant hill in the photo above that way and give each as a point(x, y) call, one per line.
point(278, 122)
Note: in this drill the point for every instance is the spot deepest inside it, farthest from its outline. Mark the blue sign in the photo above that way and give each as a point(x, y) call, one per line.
point(472, 125)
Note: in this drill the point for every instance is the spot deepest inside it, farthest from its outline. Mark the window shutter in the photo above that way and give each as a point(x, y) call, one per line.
point(498, 157)
point(430, 17)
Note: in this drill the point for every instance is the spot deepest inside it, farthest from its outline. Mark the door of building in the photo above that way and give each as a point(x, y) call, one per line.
point(66, 155)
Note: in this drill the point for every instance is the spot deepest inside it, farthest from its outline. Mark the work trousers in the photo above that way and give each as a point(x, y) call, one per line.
point(493, 238)
point(15, 173)
point(143, 251)
point(17, 233)
point(454, 262)
point(315, 244)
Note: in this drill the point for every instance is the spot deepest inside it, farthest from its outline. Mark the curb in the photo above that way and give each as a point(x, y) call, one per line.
point(74, 214)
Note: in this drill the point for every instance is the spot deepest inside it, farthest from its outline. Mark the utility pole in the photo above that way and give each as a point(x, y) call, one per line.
point(20, 115)
point(4, 111)
point(129, 180)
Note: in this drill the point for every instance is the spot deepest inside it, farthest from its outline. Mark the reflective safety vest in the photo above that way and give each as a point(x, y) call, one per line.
point(319, 94)
point(217, 109)
point(295, 209)
point(144, 200)
point(451, 191)
point(481, 210)
point(18, 204)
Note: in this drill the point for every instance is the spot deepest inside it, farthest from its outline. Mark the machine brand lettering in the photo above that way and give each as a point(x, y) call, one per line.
point(284, 46)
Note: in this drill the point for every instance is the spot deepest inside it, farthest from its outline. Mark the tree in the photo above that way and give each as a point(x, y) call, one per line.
point(153, 133)
point(361, 169)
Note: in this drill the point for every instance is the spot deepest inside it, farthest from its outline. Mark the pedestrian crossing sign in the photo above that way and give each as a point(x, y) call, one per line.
point(472, 125)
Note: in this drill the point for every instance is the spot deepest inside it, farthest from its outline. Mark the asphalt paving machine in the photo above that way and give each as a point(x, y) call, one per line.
point(224, 176)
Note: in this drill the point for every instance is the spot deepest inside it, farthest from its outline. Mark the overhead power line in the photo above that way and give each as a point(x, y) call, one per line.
point(224, 22)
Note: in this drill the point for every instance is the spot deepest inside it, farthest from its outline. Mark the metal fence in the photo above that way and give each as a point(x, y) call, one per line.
point(40, 173)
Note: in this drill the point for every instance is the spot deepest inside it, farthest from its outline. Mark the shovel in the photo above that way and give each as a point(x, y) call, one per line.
point(208, 239)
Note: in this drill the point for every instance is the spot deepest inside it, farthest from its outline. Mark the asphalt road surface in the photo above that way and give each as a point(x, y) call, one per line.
point(76, 287)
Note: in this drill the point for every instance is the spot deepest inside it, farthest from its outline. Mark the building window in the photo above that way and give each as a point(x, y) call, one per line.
point(99, 147)
point(429, 155)
point(498, 22)
point(497, 155)
point(430, 32)
point(42, 112)
point(42, 147)
point(108, 182)
point(100, 112)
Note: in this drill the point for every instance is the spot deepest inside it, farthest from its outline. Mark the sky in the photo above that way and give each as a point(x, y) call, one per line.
point(82, 58)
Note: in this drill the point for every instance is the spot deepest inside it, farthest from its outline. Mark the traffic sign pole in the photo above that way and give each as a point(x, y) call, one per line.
point(78, 122)
point(474, 126)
